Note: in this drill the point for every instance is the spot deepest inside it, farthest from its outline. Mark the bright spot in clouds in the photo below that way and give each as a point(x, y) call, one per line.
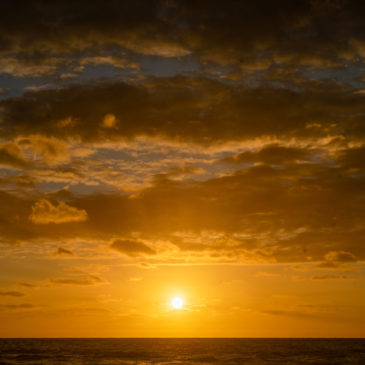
point(109, 121)
point(177, 303)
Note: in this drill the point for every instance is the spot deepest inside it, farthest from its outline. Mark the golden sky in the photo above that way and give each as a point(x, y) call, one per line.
point(205, 150)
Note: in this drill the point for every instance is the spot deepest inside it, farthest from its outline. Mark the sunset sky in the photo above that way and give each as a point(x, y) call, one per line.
point(212, 151)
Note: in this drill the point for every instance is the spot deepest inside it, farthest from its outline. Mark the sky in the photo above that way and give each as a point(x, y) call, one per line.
point(206, 150)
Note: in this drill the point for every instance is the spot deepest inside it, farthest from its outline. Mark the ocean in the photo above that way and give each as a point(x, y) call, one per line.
point(181, 351)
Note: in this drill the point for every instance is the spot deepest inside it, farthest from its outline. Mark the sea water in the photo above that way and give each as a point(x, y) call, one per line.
point(182, 351)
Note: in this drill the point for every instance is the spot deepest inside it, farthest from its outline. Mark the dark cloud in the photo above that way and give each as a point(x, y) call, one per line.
point(27, 285)
point(309, 33)
point(84, 280)
point(11, 293)
point(132, 247)
point(273, 80)
point(11, 155)
point(300, 212)
point(22, 306)
point(352, 157)
point(305, 212)
point(272, 154)
point(63, 252)
point(185, 109)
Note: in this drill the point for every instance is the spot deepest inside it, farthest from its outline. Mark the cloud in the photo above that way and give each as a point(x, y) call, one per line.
point(132, 247)
point(297, 33)
point(49, 148)
point(210, 113)
point(333, 277)
point(147, 266)
point(265, 274)
point(63, 252)
point(11, 293)
point(27, 285)
point(21, 68)
point(22, 306)
point(271, 154)
point(44, 212)
point(140, 28)
point(292, 213)
point(292, 313)
point(153, 133)
point(352, 157)
point(335, 259)
point(340, 256)
point(11, 155)
point(109, 60)
point(84, 280)
point(162, 48)
point(184, 169)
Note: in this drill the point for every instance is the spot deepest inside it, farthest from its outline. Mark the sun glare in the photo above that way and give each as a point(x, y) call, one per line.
point(177, 303)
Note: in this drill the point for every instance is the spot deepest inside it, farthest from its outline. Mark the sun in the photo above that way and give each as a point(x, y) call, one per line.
point(177, 303)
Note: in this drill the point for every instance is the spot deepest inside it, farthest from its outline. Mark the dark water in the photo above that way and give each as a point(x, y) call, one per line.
point(182, 351)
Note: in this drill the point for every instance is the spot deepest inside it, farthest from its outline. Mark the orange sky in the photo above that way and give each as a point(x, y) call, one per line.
point(206, 150)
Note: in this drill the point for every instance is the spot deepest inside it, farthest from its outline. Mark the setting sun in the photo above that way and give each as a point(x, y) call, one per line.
point(177, 303)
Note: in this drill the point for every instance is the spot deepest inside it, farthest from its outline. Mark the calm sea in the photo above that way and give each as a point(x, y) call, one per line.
point(182, 351)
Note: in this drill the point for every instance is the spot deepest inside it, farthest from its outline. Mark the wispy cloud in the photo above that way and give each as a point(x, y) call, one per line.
point(11, 293)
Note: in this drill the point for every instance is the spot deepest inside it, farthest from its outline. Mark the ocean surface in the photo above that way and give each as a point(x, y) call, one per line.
point(182, 351)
